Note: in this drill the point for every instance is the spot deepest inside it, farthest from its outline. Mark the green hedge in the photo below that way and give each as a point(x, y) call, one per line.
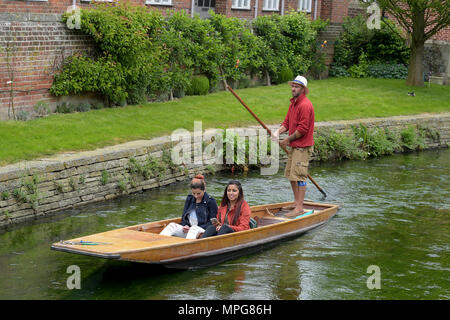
point(142, 55)
point(387, 71)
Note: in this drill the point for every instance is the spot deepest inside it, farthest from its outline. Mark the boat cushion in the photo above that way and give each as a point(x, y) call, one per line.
point(253, 223)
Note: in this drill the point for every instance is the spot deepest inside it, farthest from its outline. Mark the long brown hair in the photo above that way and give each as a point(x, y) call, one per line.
point(226, 202)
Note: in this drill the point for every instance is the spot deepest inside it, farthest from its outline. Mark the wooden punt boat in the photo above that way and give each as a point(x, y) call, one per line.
point(143, 243)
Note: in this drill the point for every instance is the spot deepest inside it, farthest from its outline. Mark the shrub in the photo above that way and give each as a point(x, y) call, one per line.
point(199, 86)
point(244, 82)
point(284, 76)
point(384, 45)
point(83, 74)
point(387, 71)
point(337, 146)
point(65, 108)
point(359, 70)
point(22, 115)
point(97, 106)
point(411, 140)
point(83, 107)
point(362, 142)
point(338, 72)
point(345, 146)
point(41, 108)
point(375, 142)
point(130, 54)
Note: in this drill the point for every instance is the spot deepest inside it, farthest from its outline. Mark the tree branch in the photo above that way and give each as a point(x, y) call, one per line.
point(402, 16)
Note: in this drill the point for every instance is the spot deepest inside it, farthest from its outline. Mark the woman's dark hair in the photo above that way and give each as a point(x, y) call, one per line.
point(198, 182)
point(239, 200)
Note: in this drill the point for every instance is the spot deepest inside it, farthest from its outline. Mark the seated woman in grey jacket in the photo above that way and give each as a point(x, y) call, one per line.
point(198, 211)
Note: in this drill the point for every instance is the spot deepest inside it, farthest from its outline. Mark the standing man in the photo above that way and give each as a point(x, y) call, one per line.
point(299, 123)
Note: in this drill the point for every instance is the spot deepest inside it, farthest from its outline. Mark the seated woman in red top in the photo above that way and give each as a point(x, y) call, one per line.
point(233, 214)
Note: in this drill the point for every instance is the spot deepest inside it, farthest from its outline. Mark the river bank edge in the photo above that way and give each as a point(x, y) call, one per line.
point(31, 190)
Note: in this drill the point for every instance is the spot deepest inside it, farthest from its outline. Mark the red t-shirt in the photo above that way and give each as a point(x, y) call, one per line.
point(243, 222)
point(300, 117)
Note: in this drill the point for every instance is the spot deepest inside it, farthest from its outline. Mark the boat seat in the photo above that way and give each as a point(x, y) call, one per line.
point(263, 221)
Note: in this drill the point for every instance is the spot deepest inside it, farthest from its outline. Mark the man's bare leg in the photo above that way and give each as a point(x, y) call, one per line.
point(294, 187)
point(301, 191)
point(299, 195)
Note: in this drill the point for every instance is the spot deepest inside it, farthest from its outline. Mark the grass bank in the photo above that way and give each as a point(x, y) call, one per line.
point(333, 99)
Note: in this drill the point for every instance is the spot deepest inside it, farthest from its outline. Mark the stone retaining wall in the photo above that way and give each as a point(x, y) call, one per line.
point(33, 189)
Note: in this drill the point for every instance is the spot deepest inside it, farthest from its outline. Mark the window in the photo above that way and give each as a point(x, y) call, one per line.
point(206, 3)
point(271, 5)
point(304, 5)
point(160, 2)
point(240, 4)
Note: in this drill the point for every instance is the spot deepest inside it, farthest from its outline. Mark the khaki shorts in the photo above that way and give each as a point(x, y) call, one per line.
point(297, 164)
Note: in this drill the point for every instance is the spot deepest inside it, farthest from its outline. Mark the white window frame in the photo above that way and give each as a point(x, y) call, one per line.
point(304, 5)
point(240, 4)
point(159, 2)
point(271, 5)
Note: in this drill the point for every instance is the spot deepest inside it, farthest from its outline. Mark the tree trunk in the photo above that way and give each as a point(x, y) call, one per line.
point(267, 78)
point(11, 102)
point(415, 68)
point(224, 79)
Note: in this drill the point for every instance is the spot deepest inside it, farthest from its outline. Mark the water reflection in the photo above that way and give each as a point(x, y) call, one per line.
point(395, 214)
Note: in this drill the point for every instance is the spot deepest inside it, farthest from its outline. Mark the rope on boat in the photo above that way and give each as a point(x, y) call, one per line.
point(82, 242)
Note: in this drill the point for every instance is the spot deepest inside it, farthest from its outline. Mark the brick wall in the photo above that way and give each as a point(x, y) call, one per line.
point(325, 11)
point(339, 11)
point(37, 49)
point(443, 35)
point(37, 42)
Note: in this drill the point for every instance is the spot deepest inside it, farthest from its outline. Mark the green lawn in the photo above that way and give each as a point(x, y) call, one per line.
point(333, 99)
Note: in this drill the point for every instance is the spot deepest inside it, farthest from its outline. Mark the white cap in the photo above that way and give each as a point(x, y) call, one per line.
point(301, 81)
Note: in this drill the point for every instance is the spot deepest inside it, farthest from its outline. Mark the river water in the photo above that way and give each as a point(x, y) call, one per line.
point(395, 215)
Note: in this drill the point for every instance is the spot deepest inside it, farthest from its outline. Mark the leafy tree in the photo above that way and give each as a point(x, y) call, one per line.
point(178, 53)
point(237, 49)
point(288, 42)
point(301, 38)
point(141, 53)
point(421, 19)
point(201, 46)
point(274, 46)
